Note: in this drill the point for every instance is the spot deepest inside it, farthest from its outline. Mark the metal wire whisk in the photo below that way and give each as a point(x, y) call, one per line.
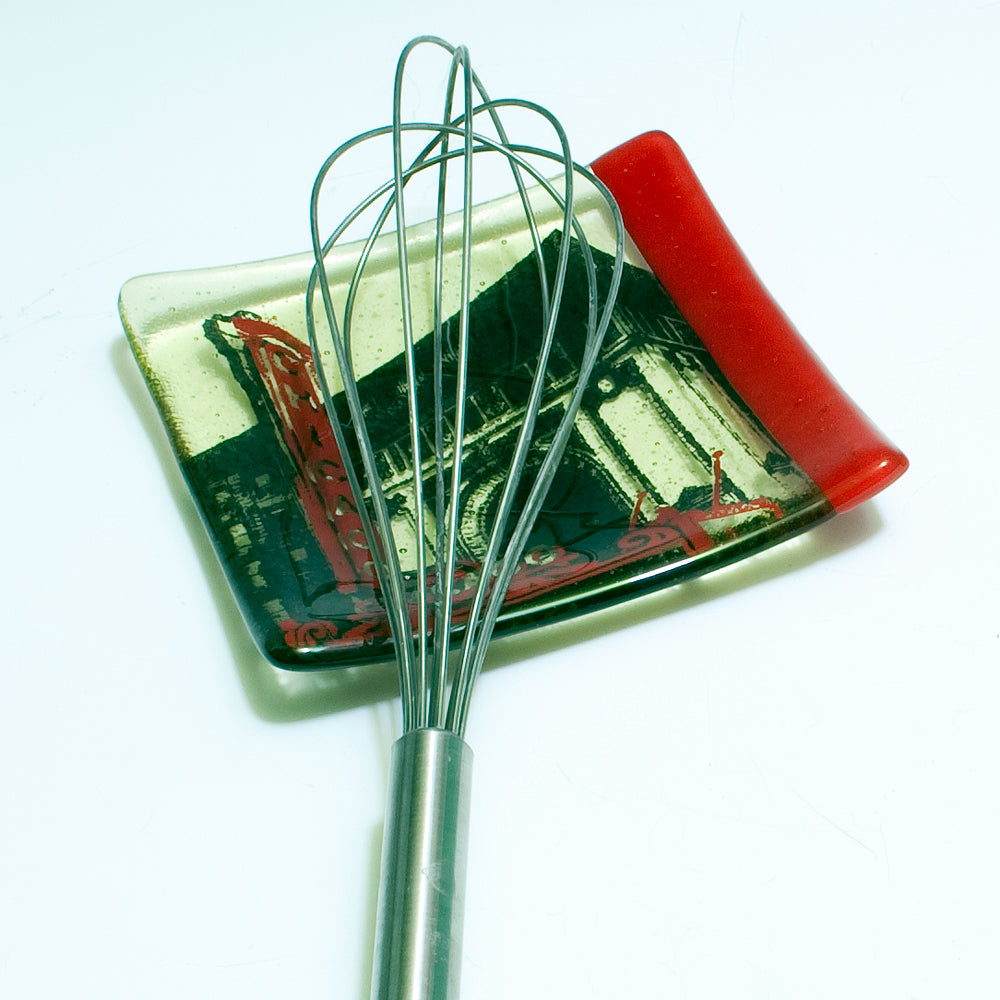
point(440, 649)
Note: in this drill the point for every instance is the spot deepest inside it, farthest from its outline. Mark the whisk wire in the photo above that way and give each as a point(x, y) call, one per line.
point(435, 697)
point(474, 647)
point(446, 553)
point(413, 709)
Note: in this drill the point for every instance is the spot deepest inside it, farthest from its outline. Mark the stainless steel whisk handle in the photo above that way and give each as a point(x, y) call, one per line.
point(418, 931)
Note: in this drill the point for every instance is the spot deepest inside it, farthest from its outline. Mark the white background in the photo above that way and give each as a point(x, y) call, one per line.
point(779, 782)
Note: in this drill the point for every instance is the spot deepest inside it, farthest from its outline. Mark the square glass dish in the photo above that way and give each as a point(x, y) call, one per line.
point(709, 431)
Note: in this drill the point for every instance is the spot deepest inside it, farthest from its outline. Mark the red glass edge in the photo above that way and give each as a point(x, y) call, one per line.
point(677, 230)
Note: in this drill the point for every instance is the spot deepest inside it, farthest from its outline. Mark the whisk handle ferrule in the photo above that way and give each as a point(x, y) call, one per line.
point(418, 934)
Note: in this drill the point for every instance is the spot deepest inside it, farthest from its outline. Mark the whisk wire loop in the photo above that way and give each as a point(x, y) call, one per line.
point(475, 646)
point(448, 539)
point(421, 627)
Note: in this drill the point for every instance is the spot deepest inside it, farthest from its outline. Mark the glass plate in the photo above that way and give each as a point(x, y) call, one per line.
point(710, 431)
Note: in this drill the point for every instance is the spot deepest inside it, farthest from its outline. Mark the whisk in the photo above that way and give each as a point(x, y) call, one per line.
point(441, 605)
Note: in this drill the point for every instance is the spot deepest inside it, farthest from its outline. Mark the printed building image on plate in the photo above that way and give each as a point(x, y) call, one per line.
point(667, 472)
